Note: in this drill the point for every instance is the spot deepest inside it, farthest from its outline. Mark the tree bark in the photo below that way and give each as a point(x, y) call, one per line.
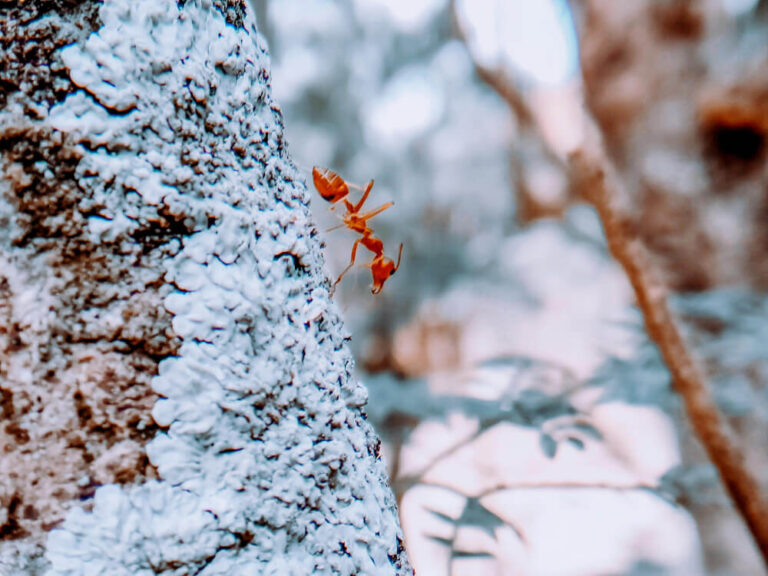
point(157, 253)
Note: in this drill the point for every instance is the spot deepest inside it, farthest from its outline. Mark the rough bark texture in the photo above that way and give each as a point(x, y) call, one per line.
point(74, 381)
point(155, 240)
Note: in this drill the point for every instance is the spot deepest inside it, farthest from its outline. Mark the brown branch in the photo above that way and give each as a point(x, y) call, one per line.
point(595, 177)
point(592, 174)
point(531, 140)
point(565, 485)
point(501, 83)
point(496, 79)
point(402, 484)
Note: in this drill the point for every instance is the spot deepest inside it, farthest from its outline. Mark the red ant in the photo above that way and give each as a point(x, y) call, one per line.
point(334, 188)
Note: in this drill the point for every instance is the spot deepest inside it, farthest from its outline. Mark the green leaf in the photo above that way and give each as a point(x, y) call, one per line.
point(589, 430)
point(440, 540)
point(576, 442)
point(443, 517)
point(472, 555)
point(476, 515)
point(548, 445)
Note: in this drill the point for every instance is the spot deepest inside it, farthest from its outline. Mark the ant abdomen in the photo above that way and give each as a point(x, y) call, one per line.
point(330, 185)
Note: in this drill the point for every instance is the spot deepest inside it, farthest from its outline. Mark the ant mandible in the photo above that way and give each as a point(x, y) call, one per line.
point(333, 188)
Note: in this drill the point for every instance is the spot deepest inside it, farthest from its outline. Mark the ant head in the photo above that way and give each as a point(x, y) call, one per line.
point(381, 269)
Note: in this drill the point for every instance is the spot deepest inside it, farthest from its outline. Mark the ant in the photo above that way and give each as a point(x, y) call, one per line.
point(333, 188)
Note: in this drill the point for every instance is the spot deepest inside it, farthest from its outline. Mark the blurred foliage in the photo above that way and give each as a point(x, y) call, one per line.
point(727, 328)
point(372, 98)
point(473, 515)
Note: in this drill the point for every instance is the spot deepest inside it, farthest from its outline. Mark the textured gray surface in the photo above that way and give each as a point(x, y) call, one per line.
point(266, 464)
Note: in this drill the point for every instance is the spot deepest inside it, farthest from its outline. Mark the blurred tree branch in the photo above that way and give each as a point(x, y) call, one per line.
point(593, 177)
point(531, 146)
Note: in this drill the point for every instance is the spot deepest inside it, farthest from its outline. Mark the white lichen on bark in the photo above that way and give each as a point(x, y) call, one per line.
point(266, 463)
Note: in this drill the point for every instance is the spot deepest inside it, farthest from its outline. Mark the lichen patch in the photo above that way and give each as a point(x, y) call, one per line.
point(179, 252)
point(82, 324)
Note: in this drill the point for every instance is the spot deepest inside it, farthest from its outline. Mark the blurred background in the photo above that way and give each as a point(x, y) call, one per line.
point(529, 426)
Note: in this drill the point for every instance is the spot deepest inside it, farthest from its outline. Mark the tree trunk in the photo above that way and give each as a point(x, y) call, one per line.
point(157, 254)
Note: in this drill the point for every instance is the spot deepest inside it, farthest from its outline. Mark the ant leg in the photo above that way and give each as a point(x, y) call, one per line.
point(356, 208)
point(399, 255)
point(379, 210)
point(361, 188)
point(351, 263)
